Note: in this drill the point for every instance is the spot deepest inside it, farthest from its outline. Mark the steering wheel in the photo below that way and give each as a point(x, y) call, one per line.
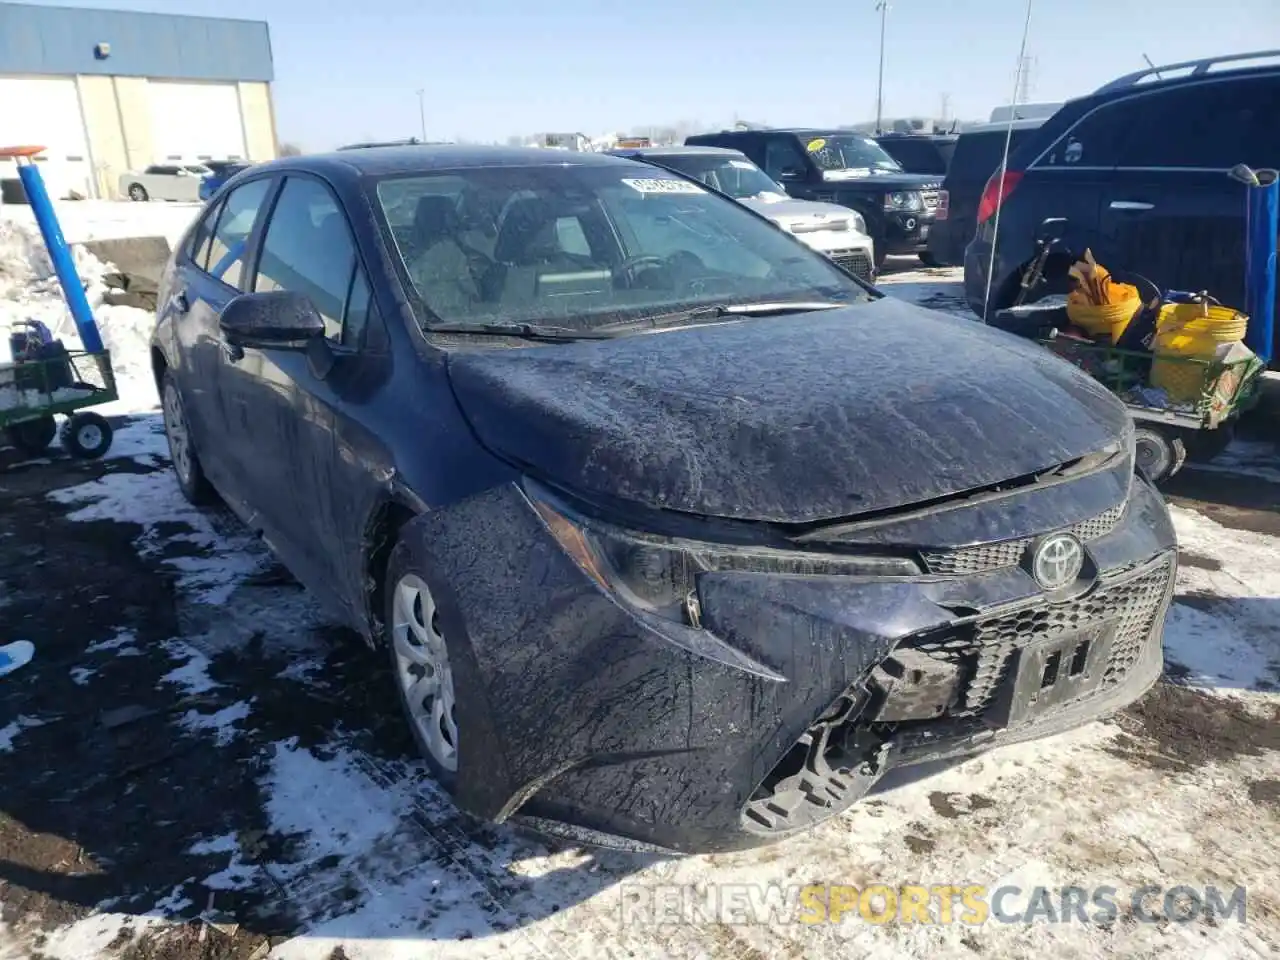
point(629, 270)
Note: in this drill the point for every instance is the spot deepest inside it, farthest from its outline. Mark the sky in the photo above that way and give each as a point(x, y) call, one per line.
point(350, 70)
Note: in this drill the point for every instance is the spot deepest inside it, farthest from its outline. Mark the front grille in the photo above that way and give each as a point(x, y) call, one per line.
point(993, 556)
point(984, 647)
point(855, 261)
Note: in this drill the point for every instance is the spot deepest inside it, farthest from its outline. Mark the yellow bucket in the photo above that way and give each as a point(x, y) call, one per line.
point(1108, 319)
point(1195, 331)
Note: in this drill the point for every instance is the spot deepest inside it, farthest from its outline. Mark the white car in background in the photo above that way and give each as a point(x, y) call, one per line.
point(165, 181)
point(833, 230)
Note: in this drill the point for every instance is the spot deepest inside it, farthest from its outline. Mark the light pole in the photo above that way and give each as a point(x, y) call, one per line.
point(883, 7)
point(422, 113)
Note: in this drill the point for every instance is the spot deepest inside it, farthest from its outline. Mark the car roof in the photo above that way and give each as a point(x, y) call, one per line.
point(675, 151)
point(425, 158)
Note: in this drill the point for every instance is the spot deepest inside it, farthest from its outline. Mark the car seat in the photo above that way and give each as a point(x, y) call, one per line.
point(440, 266)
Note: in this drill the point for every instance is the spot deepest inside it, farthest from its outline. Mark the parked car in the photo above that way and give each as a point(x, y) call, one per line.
point(978, 152)
point(219, 173)
point(927, 153)
point(1139, 169)
point(671, 531)
point(850, 169)
point(837, 232)
point(164, 181)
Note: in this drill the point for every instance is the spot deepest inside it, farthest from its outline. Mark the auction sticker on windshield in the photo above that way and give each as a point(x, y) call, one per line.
point(742, 164)
point(662, 186)
point(813, 146)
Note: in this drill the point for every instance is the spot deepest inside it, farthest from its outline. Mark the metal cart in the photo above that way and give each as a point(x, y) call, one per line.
point(45, 380)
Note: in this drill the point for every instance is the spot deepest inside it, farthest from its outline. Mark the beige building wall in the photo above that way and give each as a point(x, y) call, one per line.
point(103, 132)
point(258, 116)
point(118, 118)
point(134, 109)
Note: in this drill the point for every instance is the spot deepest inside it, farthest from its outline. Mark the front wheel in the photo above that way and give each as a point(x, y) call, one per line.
point(1160, 453)
point(86, 436)
point(929, 260)
point(33, 436)
point(424, 672)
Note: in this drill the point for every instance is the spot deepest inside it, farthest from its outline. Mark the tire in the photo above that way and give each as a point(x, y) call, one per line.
point(880, 257)
point(1203, 445)
point(138, 193)
point(33, 436)
point(929, 260)
point(182, 452)
point(86, 436)
point(1160, 453)
point(418, 652)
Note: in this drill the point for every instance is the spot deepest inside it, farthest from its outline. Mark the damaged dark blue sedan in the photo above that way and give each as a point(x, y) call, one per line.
point(675, 535)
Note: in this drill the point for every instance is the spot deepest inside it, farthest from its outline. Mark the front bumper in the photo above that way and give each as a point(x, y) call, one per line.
point(907, 231)
point(581, 711)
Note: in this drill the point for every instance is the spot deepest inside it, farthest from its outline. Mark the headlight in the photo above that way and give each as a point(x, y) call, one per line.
point(660, 574)
point(904, 200)
point(858, 224)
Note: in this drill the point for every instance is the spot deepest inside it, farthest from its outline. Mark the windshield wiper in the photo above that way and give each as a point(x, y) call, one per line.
point(726, 311)
point(527, 331)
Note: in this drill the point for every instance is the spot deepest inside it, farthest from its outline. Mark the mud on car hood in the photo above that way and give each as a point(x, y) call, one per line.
point(794, 419)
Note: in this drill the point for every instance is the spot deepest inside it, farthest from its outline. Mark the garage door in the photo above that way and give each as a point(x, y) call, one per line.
point(45, 111)
point(195, 121)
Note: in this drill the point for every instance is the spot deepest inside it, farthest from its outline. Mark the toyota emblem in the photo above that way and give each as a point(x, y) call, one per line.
point(1057, 561)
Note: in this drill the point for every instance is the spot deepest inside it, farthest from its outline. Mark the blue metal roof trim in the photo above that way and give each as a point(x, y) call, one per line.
point(62, 40)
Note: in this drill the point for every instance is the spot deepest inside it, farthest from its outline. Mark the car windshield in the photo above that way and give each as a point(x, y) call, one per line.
point(586, 245)
point(736, 176)
point(852, 154)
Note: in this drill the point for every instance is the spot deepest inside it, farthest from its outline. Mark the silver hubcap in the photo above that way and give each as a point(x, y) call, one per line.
point(422, 669)
point(175, 428)
point(89, 436)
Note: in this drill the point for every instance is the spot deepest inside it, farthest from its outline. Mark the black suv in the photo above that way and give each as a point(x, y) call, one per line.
point(927, 153)
point(975, 156)
point(1139, 169)
point(851, 169)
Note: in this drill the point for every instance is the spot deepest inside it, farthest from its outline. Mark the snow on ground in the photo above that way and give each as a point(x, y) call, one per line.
point(371, 859)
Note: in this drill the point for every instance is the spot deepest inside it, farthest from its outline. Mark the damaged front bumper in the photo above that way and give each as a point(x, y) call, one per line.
point(793, 694)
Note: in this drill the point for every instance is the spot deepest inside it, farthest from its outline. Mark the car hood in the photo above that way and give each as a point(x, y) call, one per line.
point(795, 419)
point(845, 180)
point(787, 210)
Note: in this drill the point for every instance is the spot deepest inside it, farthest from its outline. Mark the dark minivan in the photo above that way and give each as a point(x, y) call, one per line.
point(1139, 168)
point(977, 152)
point(848, 168)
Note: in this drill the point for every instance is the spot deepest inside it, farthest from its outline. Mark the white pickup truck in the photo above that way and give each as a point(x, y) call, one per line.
point(160, 181)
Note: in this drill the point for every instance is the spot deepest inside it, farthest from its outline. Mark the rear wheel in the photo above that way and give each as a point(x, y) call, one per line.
point(182, 453)
point(138, 192)
point(86, 435)
point(422, 667)
point(1160, 453)
point(929, 260)
point(33, 436)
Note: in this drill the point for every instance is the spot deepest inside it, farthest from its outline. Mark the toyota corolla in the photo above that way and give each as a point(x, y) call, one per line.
point(673, 533)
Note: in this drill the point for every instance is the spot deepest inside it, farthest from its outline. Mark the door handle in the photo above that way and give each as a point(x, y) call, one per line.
point(178, 302)
point(1131, 205)
point(233, 352)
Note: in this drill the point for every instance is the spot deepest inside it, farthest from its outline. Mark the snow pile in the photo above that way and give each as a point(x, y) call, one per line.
point(29, 290)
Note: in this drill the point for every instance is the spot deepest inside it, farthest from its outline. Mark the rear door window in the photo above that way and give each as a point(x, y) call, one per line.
point(1209, 126)
point(230, 240)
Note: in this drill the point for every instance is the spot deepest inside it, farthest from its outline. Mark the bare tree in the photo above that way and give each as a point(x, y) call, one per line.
point(290, 150)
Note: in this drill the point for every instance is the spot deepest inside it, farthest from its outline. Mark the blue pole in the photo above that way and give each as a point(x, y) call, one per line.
point(60, 255)
point(1261, 228)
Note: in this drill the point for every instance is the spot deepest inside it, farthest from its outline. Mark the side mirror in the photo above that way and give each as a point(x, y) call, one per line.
point(279, 320)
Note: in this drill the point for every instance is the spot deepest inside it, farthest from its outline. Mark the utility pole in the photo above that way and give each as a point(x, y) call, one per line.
point(946, 106)
point(1024, 79)
point(422, 113)
point(883, 7)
